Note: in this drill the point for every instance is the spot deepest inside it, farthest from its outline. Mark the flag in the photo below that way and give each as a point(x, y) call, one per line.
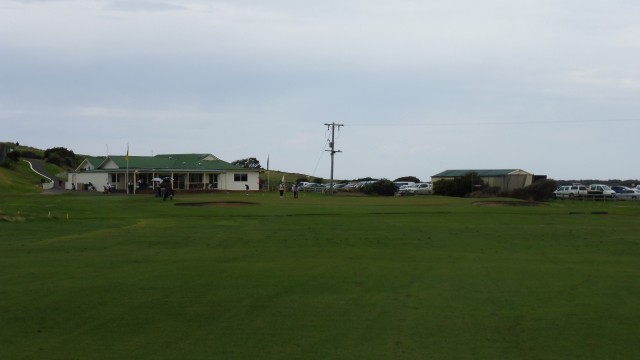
point(126, 157)
point(267, 162)
point(283, 179)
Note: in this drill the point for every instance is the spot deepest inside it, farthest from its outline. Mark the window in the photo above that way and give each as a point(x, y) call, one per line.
point(195, 178)
point(240, 177)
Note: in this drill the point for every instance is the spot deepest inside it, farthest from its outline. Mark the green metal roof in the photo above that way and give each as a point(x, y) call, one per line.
point(488, 173)
point(175, 162)
point(95, 161)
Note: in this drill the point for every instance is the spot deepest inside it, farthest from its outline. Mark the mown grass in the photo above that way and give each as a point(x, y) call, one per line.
point(317, 278)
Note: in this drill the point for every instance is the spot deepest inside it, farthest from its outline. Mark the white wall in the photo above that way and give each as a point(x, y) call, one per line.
point(226, 181)
point(97, 179)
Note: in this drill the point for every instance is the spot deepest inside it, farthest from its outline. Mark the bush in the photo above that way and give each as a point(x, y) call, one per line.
point(62, 157)
point(460, 186)
point(30, 154)
point(407, 179)
point(14, 155)
point(11, 165)
point(493, 191)
point(382, 187)
point(539, 191)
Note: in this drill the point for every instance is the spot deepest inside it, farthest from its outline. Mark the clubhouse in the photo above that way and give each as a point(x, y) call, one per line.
point(185, 171)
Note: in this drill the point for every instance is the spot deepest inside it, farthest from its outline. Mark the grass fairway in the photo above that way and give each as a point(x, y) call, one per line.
point(317, 278)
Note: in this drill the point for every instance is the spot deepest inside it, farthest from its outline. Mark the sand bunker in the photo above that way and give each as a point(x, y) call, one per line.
point(507, 203)
point(218, 203)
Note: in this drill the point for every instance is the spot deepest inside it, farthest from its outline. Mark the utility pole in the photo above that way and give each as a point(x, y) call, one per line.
point(332, 144)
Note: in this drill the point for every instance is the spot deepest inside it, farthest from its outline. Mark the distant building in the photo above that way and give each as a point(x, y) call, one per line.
point(187, 171)
point(506, 179)
point(5, 148)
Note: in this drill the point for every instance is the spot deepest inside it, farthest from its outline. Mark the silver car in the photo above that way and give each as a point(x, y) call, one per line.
point(421, 188)
point(628, 194)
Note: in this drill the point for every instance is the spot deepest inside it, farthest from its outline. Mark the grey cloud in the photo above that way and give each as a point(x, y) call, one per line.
point(143, 5)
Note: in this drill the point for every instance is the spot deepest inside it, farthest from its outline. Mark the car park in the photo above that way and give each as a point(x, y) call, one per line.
point(420, 188)
point(338, 186)
point(570, 191)
point(562, 192)
point(628, 194)
point(313, 187)
point(403, 184)
point(619, 189)
point(416, 189)
point(350, 186)
point(601, 191)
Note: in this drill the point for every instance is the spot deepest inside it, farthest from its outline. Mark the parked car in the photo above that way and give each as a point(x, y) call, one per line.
point(628, 194)
point(313, 187)
point(619, 189)
point(561, 192)
point(403, 184)
point(570, 191)
point(419, 188)
point(338, 186)
point(600, 190)
point(350, 186)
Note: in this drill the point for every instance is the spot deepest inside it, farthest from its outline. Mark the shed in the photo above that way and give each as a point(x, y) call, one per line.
point(506, 179)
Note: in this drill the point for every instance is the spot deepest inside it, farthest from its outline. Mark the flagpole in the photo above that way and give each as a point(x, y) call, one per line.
point(268, 179)
point(127, 177)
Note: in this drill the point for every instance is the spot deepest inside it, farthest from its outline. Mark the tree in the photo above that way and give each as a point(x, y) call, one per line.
point(14, 155)
point(407, 179)
point(382, 187)
point(365, 179)
point(61, 157)
point(251, 163)
point(538, 191)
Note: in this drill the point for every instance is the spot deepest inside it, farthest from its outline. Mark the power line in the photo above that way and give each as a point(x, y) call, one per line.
point(502, 123)
point(320, 157)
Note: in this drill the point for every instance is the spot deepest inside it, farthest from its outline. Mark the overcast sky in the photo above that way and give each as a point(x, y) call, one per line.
point(548, 86)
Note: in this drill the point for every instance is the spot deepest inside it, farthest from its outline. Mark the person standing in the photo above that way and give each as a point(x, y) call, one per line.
point(281, 190)
point(294, 188)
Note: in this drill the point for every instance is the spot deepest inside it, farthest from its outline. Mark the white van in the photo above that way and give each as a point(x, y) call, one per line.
point(601, 190)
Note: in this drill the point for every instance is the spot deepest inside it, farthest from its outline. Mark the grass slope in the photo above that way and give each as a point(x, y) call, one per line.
point(317, 278)
point(21, 180)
